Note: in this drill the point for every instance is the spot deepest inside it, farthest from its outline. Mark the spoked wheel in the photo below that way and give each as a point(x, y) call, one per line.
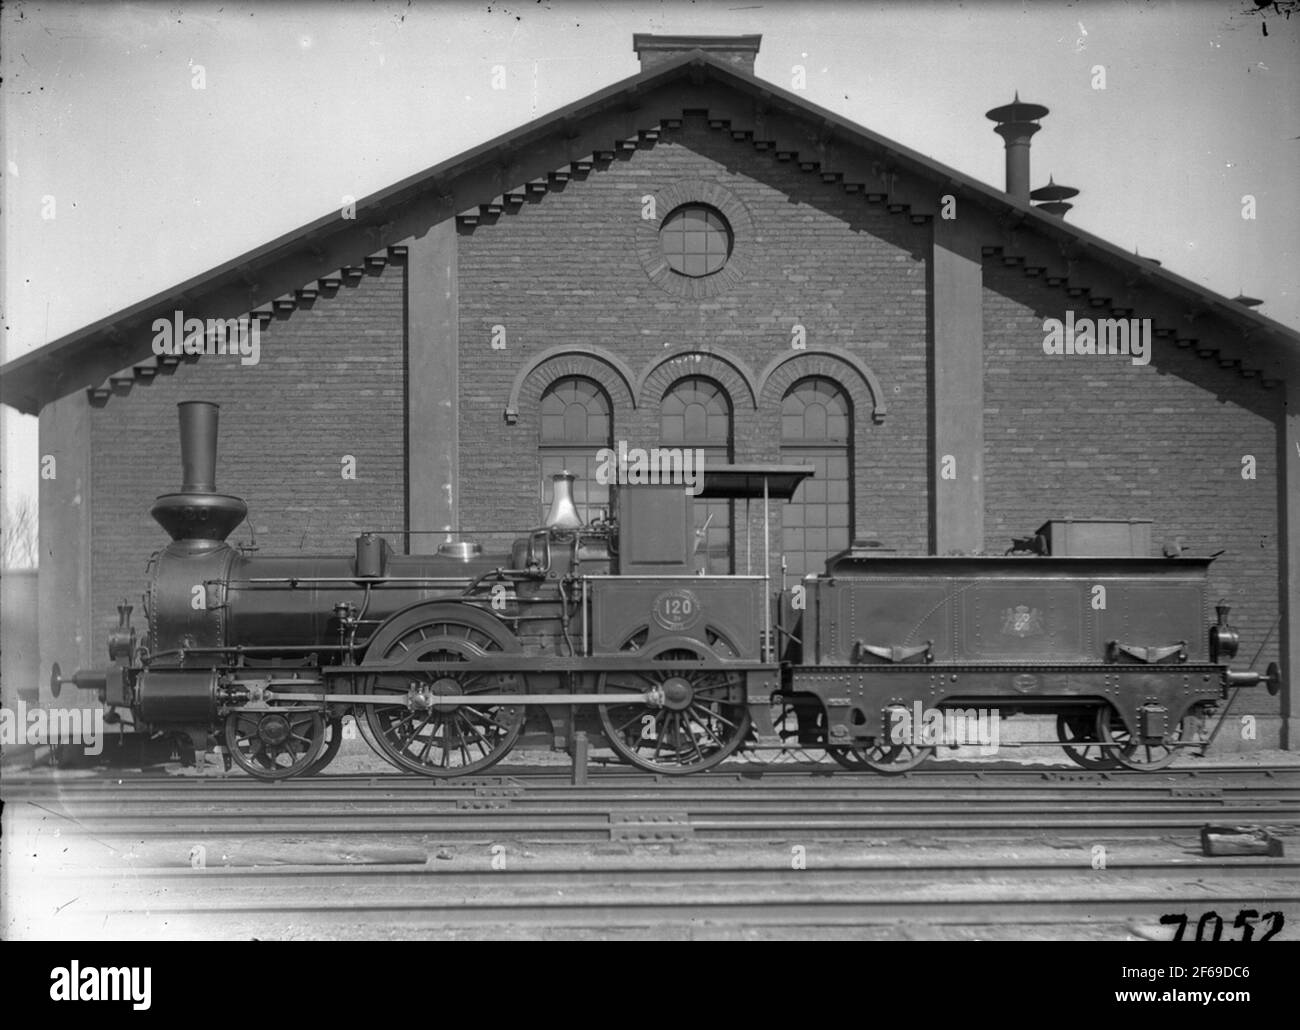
point(882, 756)
point(889, 759)
point(333, 740)
point(703, 719)
point(421, 731)
point(1135, 753)
point(275, 745)
point(1077, 732)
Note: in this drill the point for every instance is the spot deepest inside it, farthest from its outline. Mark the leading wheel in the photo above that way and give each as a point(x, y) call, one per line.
point(275, 745)
point(1077, 732)
point(421, 730)
point(1133, 752)
point(333, 741)
point(703, 719)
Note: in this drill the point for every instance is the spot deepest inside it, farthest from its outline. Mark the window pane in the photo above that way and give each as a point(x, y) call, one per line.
point(816, 428)
point(696, 240)
point(696, 413)
point(575, 424)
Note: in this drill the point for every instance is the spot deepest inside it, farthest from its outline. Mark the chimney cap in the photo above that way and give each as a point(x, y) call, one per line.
point(1053, 192)
point(1017, 111)
point(738, 51)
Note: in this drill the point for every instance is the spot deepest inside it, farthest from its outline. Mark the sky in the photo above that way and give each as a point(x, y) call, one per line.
point(145, 143)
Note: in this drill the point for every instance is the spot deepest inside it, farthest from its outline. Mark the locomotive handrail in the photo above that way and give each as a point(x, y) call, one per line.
point(245, 649)
point(497, 661)
point(634, 577)
point(377, 580)
point(653, 697)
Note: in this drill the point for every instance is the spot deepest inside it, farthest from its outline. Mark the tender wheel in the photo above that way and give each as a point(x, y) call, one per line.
point(333, 741)
point(1077, 732)
point(1134, 752)
point(704, 717)
point(889, 759)
point(418, 731)
point(882, 756)
point(275, 745)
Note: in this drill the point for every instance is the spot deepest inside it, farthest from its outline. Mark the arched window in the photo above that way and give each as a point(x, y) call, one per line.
point(696, 414)
point(576, 424)
point(817, 430)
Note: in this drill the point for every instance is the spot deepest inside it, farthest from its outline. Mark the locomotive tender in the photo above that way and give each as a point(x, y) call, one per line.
point(448, 661)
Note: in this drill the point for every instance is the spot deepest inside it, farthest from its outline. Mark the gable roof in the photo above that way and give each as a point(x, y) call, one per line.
point(276, 270)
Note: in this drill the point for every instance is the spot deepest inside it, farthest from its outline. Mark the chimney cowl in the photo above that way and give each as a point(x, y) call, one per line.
point(1017, 111)
point(1054, 197)
point(737, 51)
point(1017, 123)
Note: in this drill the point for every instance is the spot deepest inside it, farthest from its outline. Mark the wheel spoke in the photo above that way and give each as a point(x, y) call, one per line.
point(484, 717)
point(624, 725)
point(693, 732)
point(705, 726)
point(722, 718)
point(424, 751)
point(690, 732)
point(295, 741)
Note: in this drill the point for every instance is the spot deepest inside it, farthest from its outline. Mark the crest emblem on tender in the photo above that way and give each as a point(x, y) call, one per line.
point(1022, 621)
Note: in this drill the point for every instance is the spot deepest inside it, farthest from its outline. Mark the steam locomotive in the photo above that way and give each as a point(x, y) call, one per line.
point(448, 661)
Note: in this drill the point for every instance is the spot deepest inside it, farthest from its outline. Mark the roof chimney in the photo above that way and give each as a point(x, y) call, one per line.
point(1017, 122)
point(736, 51)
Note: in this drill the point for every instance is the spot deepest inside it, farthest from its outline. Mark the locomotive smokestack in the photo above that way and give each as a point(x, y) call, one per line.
point(563, 514)
point(198, 446)
point(198, 514)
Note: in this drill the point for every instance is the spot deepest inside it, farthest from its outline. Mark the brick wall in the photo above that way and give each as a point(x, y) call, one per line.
point(1092, 436)
point(1064, 436)
point(330, 382)
point(565, 270)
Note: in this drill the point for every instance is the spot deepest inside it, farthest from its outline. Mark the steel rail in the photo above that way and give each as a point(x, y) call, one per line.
point(316, 791)
point(839, 871)
point(616, 778)
point(615, 910)
point(480, 823)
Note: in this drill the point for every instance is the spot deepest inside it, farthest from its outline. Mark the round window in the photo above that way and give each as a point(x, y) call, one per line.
point(696, 240)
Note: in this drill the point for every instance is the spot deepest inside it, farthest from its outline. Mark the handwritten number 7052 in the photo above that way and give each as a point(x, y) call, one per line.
point(1210, 926)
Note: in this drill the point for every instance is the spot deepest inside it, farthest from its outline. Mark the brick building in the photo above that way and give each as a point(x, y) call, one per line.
point(692, 256)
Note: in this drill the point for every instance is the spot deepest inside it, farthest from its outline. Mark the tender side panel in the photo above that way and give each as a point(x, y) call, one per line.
point(1062, 613)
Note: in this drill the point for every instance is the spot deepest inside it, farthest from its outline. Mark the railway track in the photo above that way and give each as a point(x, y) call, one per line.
point(729, 854)
point(719, 806)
